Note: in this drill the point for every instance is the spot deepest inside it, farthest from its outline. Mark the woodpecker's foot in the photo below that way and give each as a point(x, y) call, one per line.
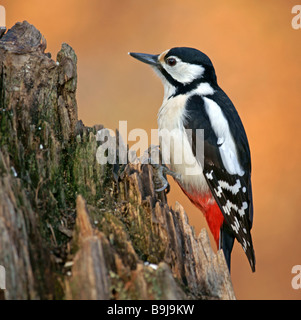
point(153, 157)
point(160, 181)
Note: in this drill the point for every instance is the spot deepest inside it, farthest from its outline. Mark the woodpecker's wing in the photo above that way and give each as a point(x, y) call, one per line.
point(232, 191)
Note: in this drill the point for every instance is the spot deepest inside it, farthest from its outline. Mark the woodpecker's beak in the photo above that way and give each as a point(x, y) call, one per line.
point(151, 59)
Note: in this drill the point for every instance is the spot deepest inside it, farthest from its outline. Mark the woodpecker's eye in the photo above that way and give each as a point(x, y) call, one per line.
point(171, 61)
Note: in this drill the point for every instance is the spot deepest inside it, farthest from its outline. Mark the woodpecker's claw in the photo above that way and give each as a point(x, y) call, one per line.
point(160, 181)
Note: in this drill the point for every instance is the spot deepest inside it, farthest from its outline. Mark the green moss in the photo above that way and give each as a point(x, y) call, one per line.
point(146, 242)
point(117, 287)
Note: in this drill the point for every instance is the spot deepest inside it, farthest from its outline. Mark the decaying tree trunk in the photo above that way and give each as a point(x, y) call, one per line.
point(69, 227)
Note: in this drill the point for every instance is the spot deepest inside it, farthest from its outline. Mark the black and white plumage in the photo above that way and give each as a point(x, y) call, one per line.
point(221, 184)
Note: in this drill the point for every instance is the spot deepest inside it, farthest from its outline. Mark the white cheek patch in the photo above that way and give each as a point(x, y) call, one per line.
point(184, 72)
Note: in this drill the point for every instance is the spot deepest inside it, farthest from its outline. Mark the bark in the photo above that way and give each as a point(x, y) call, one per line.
point(71, 228)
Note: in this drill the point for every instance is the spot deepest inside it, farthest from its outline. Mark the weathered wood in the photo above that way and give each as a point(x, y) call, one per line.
point(70, 227)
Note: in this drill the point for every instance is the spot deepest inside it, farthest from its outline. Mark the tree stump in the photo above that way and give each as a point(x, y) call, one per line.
point(69, 228)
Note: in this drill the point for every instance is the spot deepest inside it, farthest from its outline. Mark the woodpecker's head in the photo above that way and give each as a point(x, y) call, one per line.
point(181, 69)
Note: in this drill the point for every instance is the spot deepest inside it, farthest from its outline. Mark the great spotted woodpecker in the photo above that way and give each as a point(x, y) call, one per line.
point(222, 188)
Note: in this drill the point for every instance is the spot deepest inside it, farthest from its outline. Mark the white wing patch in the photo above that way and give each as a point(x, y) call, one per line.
point(225, 140)
point(229, 205)
point(234, 189)
point(244, 207)
point(235, 226)
point(203, 89)
point(209, 175)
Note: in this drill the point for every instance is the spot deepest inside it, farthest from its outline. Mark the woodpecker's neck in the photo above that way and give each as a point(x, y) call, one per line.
point(198, 87)
point(169, 91)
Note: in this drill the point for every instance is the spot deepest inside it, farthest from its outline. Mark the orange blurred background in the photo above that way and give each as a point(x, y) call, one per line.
point(257, 56)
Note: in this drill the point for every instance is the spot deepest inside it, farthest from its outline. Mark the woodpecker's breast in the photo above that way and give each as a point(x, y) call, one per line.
point(178, 153)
